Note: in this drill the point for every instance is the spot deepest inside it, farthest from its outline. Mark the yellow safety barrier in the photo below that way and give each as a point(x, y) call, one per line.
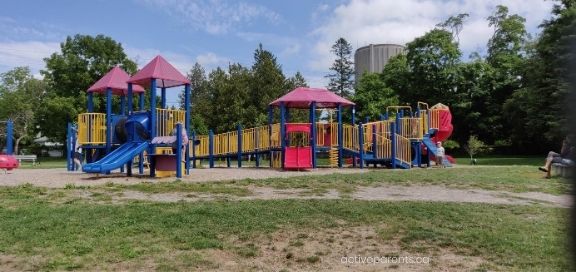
point(333, 156)
point(350, 137)
point(202, 148)
point(92, 128)
point(411, 128)
point(276, 159)
point(321, 131)
point(275, 141)
point(434, 118)
point(403, 149)
point(226, 143)
point(383, 146)
point(167, 119)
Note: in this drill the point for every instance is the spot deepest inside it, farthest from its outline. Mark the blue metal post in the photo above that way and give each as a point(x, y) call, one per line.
point(340, 136)
point(9, 137)
point(211, 149)
point(193, 149)
point(188, 106)
point(270, 120)
point(228, 157)
point(367, 120)
point(69, 147)
point(122, 105)
point(108, 120)
point(282, 134)
point(163, 98)
point(141, 163)
point(353, 115)
point(152, 128)
point(130, 98)
point(393, 139)
point(398, 125)
point(361, 145)
point(179, 150)
point(256, 149)
point(141, 101)
point(239, 155)
point(90, 102)
point(313, 130)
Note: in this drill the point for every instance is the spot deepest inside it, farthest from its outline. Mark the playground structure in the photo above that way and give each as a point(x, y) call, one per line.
point(112, 141)
point(402, 138)
point(7, 160)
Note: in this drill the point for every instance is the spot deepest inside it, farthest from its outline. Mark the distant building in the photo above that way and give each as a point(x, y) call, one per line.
point(372, 58)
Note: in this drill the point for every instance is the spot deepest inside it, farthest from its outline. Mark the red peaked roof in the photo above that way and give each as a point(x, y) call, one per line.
point(302, 97)
point(160, 69)
point(116, 80)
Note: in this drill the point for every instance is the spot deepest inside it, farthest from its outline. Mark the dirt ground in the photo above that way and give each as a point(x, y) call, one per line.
point(60, 178)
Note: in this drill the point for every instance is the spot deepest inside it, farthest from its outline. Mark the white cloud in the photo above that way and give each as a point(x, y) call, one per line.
point(143, 55)
point(214, 16)
point(363, 22)
point(30, 53)
point(210, 60)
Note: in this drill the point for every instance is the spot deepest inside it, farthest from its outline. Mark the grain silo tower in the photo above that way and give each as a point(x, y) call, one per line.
point(372, 58)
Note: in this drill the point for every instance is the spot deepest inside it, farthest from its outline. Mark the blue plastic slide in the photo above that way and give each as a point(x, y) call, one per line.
point(116, 158)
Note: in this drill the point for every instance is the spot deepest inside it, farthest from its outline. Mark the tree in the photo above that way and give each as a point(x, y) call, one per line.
point(454, 24)
point(372, 96)
point(20, 95)
point(82, 60)
point(474, 146)
point(432, 61)
point(539, 106)
point(200, 98)
point(267, 83)
point(341, 80)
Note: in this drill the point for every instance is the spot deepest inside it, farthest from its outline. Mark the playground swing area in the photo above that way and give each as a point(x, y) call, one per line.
point(161, 139)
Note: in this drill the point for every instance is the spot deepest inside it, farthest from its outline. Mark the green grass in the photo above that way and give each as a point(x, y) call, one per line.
point(507, 178)
point(501, 178)
point(45, 163)
point(181, 187)
point(81, 235)
point(504, 160)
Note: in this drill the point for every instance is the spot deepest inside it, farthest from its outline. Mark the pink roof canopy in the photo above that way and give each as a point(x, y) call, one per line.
point(115, 79)
point(167, 76)
point(302, 97)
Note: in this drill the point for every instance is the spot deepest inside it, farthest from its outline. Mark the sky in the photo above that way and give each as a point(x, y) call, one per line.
point(217, 32)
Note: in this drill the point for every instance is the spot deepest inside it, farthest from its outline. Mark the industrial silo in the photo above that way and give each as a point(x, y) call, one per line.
point(372, 58)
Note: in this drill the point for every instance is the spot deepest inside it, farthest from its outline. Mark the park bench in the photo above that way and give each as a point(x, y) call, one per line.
point(562, 170)
point(27, 158)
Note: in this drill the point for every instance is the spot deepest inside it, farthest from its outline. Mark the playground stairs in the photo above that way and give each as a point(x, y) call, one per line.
point(333, 156)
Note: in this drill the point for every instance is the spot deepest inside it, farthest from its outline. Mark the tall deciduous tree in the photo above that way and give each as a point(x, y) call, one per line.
point(341, 78)
point(20, 96)
point(372, 96)
point(540, 107)
point(82, 60)
point(432, 61)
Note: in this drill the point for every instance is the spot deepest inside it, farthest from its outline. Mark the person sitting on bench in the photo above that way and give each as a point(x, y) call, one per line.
point(565, 157)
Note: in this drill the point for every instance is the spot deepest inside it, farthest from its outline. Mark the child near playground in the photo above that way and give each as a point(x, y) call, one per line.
point(78, 155)
point(566, 156)
point(184, 142)
point(440, 153)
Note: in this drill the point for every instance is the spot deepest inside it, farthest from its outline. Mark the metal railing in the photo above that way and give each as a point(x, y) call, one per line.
point(92, 128)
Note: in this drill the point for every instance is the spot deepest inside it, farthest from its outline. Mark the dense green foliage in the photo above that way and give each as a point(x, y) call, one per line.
point(238, 95)
point(511, 98)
